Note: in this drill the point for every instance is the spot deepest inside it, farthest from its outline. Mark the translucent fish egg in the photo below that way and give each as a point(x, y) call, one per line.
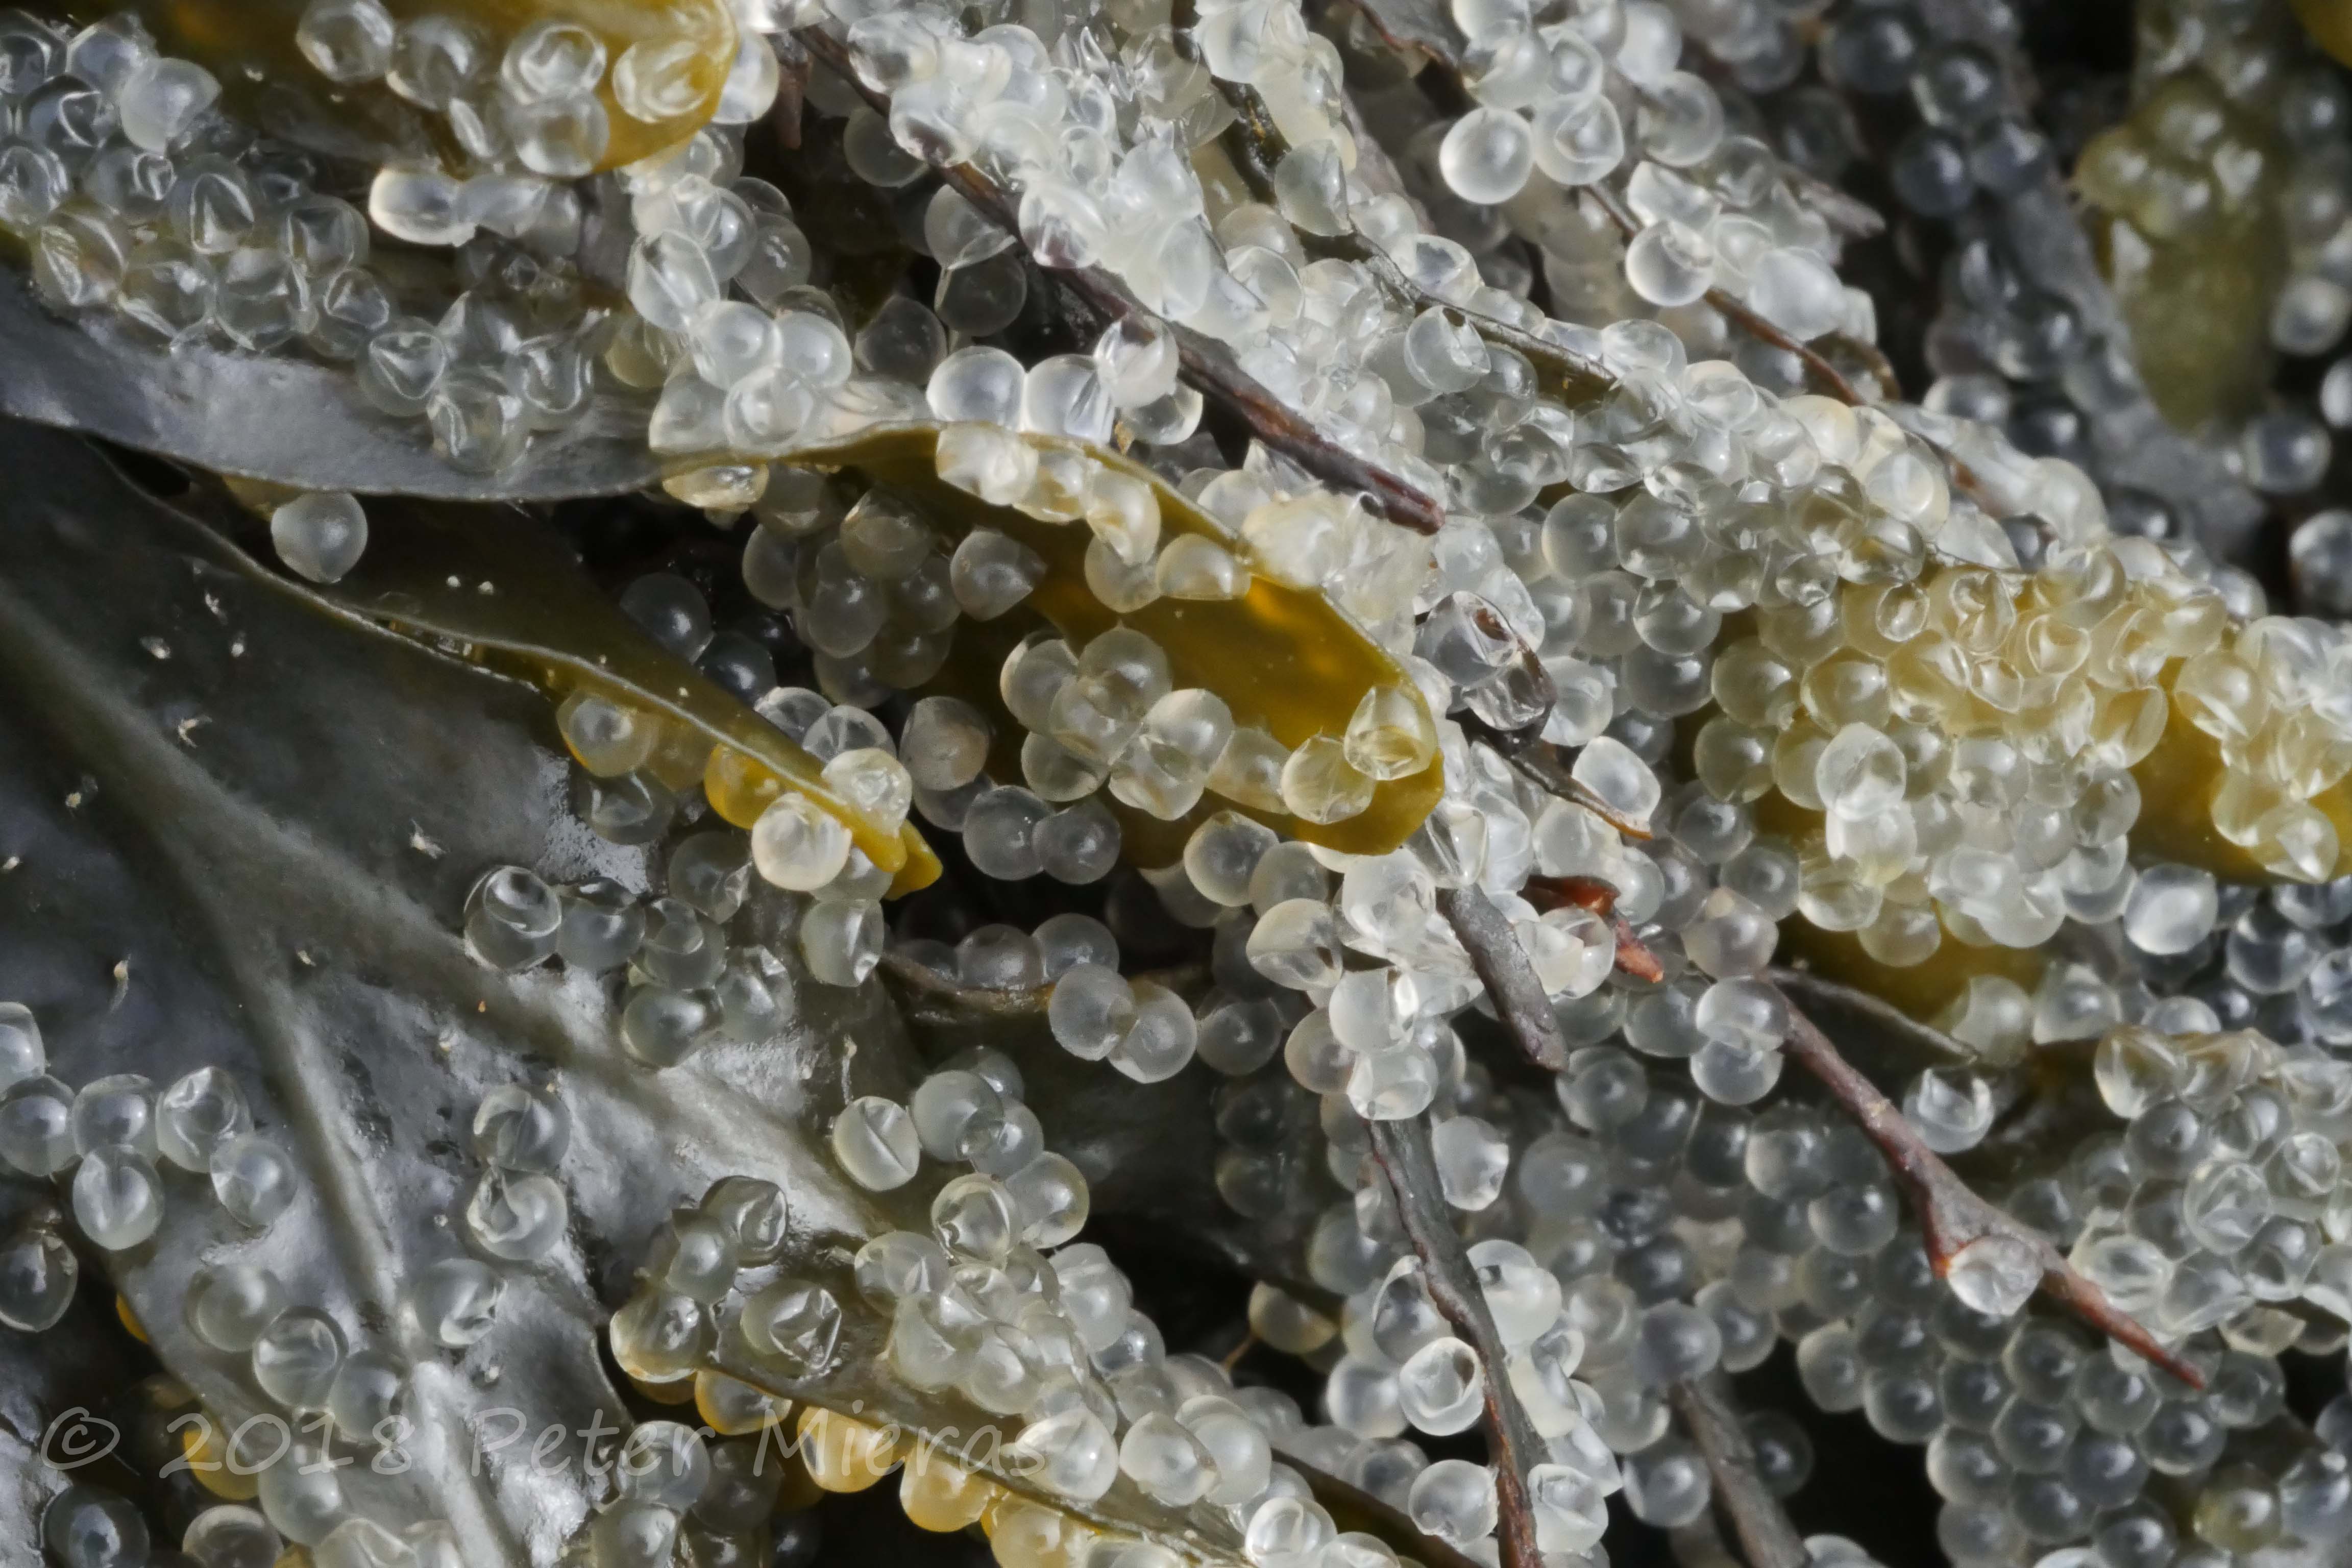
point(456, 1301)
point(254, 1178)
point(37, 1274)
point(876, 1144)
point(1442, 1387)
point(117, 1110)
point(1487, 155)
point(663, 1464)
point(752, 1214)
point(198, 1114)
point(230, 1304)
point(303, 1495)
point(230, 1536)
point(36, 1125)
point(118, 1199)
point(795, 1324)
point(369, 1397)
point(797, 845)
point(520, 1130)
point(320, 536)
point(295, 1358)
point(518, 1216)
point(1454, 1500)
point(21, 1053)
point(511, 918)
point(88, 1527)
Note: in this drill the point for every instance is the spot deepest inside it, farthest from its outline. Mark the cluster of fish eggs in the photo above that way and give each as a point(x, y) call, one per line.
point(2234, 139)
point(1053, 1338)
point(105, 1140)
point(137, 194)
point(1639, 433)
point(685, 982)
point(2220, 1190)
point(1972, 698)
point(1878, 542)
point(302, 1360)
point(1678, 1236)
point(672, 1486)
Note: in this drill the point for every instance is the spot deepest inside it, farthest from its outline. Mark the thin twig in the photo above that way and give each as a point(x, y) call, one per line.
point(923, 987)
point(932, 997)
point(1709, 1409)
point(1634, 955)
point(1886, 1014)
point(1408, 27)
point(1738, 314)
point(1503, 967)
point(1540, 763)
point(1763, 331)
point(1406, 1157)
point(1951, 1215)
point(792, 90)
point(1205, 364)
point(1256, 145)
point(1875, 360)
point(1585, 892)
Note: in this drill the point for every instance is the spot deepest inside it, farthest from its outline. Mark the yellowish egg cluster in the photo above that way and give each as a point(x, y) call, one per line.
point(1966, 753)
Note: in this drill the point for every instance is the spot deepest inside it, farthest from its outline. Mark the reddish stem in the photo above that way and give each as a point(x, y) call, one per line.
point(1951, 1215)
point(1205, 364)
point(1634, 956)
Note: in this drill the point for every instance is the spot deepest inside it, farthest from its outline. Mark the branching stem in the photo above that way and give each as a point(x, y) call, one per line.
point(1746, 320)
point(1408, 26)
point(1203, 364)
point(1406, 1157)
point(1709, 1409)
point(1951, 1214)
